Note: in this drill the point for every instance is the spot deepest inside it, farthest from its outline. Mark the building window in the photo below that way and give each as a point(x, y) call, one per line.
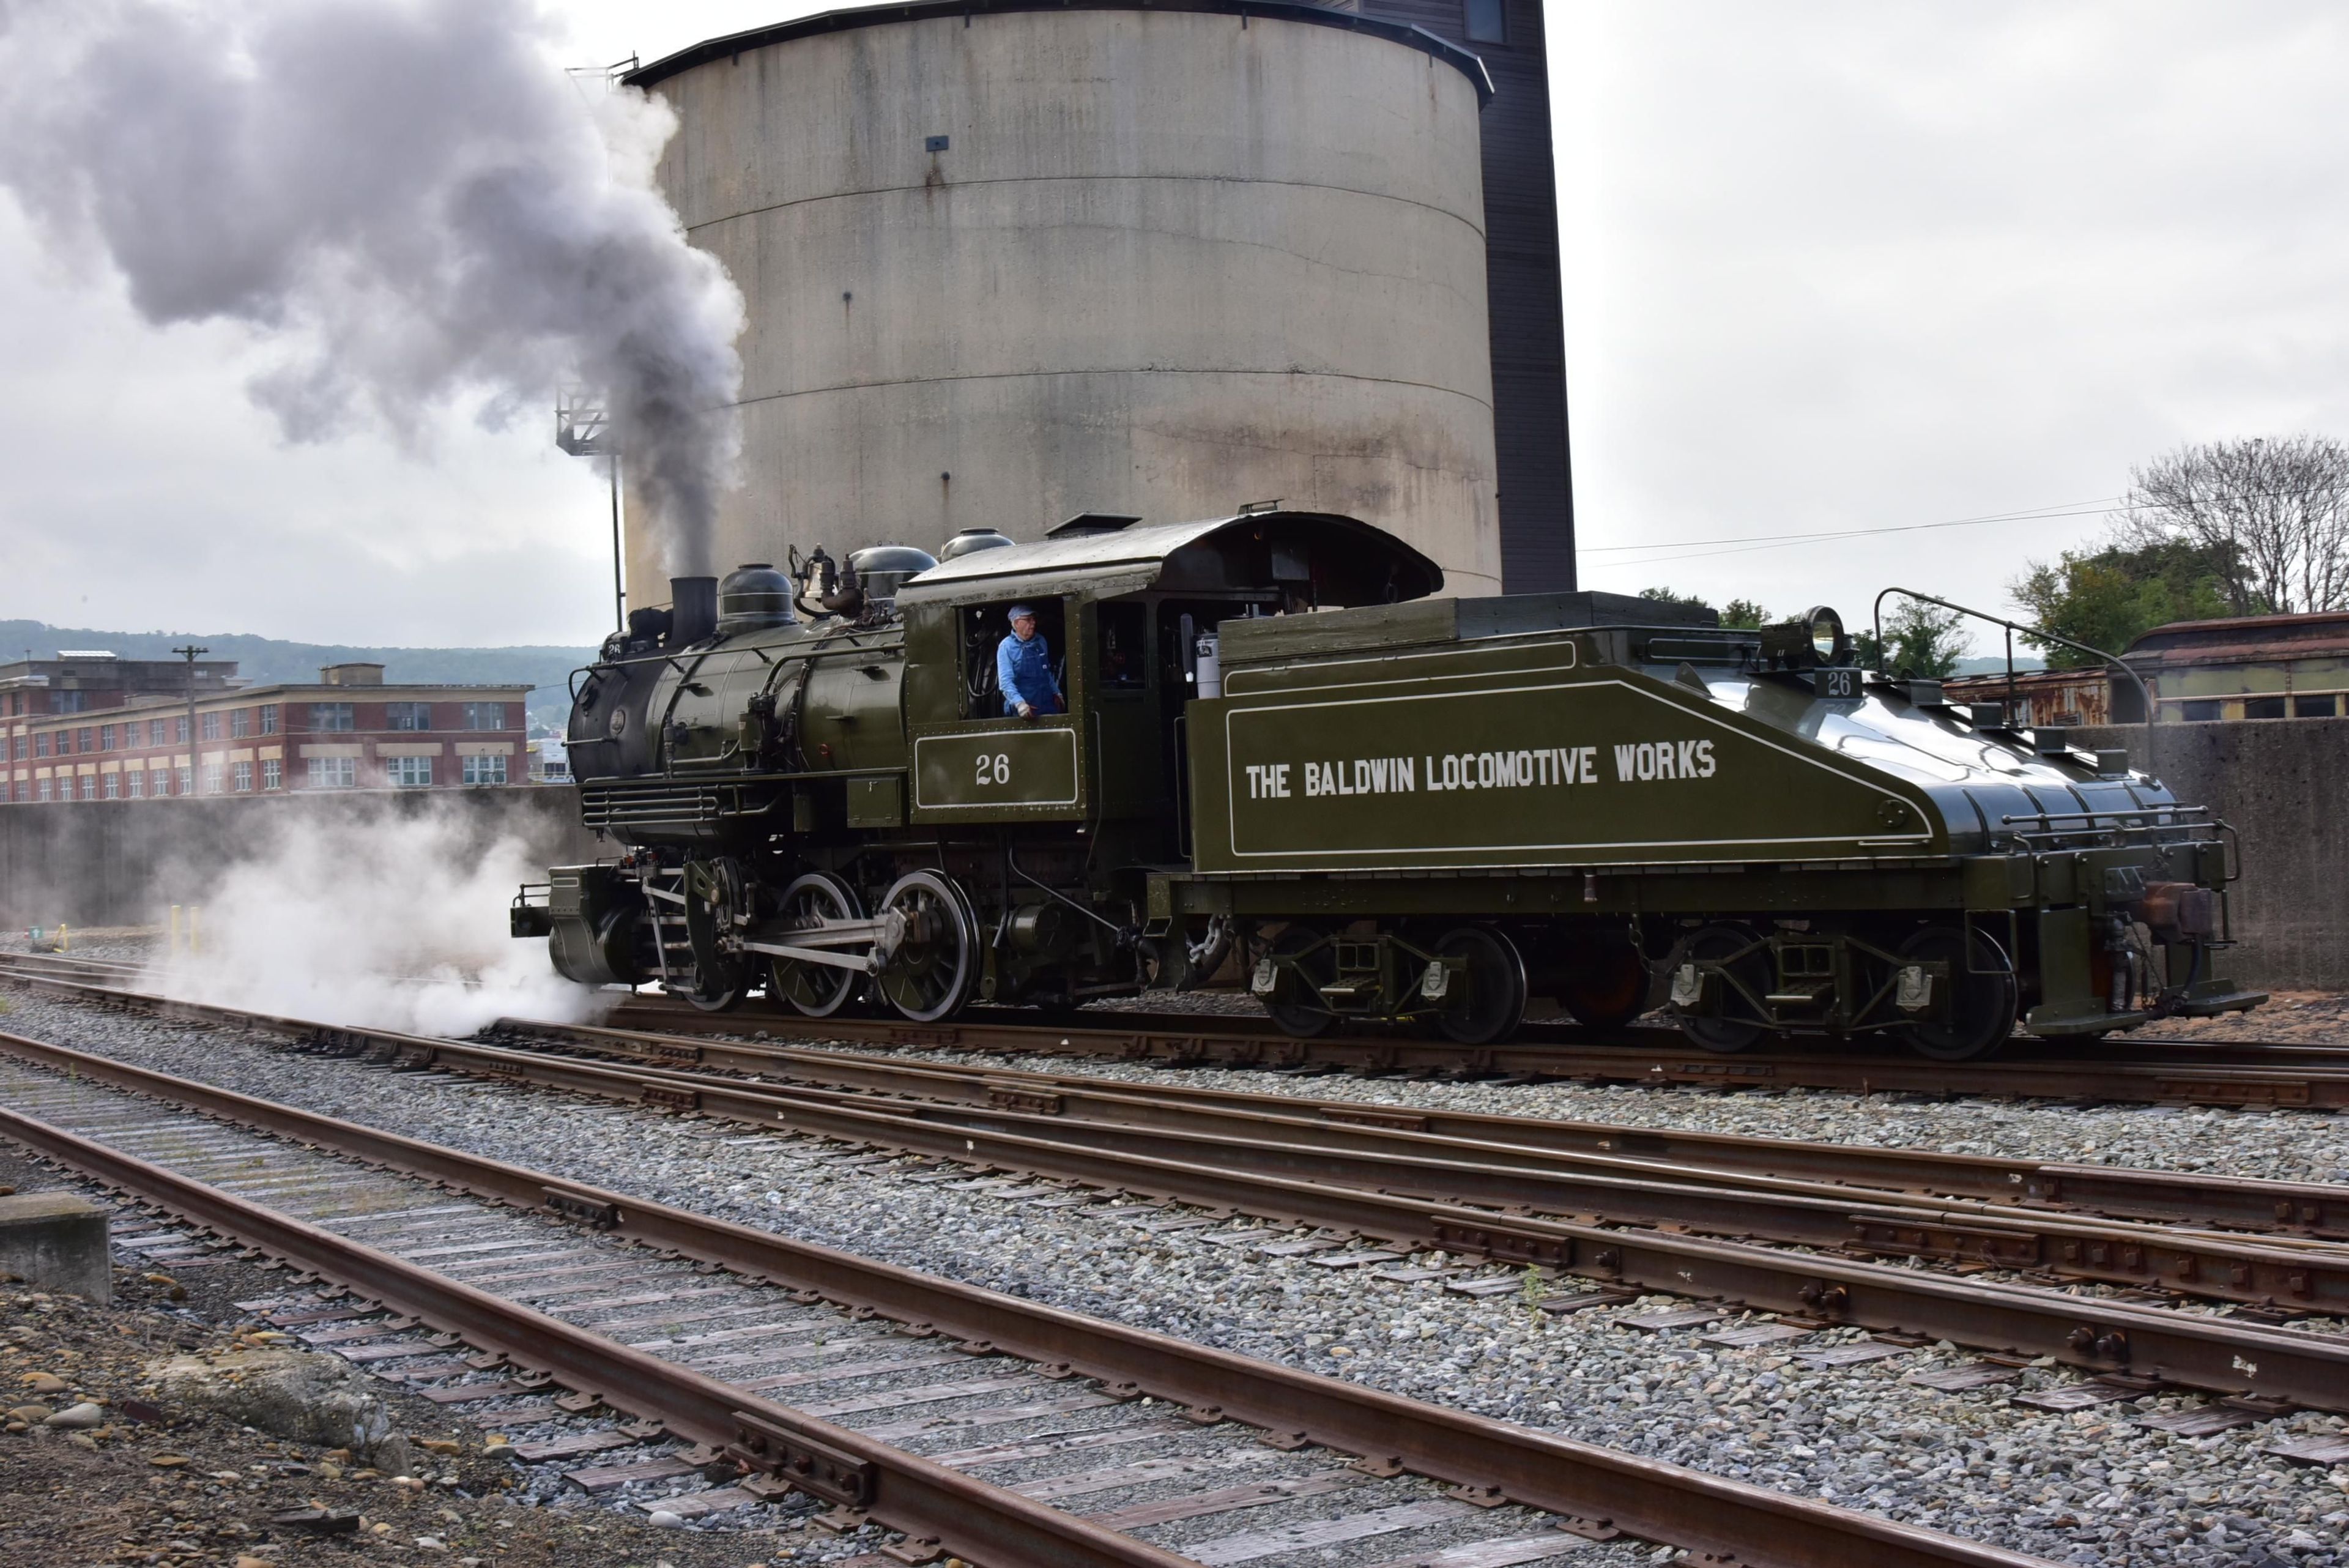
point(106, 737)
point(408, 715)
point(2201, 712)
point(154, 732)
point(269, 718)
point(162, 780)
point(273, 773)
point(334, 773)
point(485, 770)
point(240, 722)
point(68, 702)
point(485, 715)
point(410, 772)
point(180, 728)
point(187, 780)
point(331, 716)
point(211, 778)
point(84, 739)
point(1487, 21)
point(45, 788)
point(41, 745)
point(2323, 707)
point(113, 786)
point(24, 747)
point(89, 787)
point(212, 726)
point(244, 778)
point(135, 783)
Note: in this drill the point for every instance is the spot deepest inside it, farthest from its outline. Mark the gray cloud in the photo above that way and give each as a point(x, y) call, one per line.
point(406, 196)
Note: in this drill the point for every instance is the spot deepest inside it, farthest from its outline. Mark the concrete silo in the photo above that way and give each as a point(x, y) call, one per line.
point(1006, 264)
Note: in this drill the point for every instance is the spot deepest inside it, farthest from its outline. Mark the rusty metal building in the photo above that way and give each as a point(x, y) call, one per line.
point(2248, 667)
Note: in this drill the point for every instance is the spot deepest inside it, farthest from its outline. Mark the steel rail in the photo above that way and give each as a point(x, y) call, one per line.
point(965, 1515)
point(2283, 1208)
point(1695, 1513)
point(2313, 1276)
point(2321, 1085)
point(2217, 1355)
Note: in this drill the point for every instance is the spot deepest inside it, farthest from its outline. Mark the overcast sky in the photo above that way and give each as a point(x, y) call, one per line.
point(1828, 267)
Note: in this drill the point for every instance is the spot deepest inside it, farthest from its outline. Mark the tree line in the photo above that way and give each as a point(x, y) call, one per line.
point(2251, 527)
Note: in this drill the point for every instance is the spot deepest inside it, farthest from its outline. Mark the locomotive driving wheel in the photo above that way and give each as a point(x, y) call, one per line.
point(1981, 1000)
point(929, 972)
point(814, 990)
point(1491, 1003)
point(714, 891)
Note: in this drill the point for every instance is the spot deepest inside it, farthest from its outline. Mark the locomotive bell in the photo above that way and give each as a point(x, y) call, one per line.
point(971, 540)
point(881, 568)
point(753, 596)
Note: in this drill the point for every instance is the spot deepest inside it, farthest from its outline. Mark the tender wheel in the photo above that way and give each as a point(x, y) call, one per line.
point(930, 974)
point(1295, 1006)
point(814, 990)
point(1737, 1026)
point(1606, 985)
point(1490, 1002)
point(1982, 1006)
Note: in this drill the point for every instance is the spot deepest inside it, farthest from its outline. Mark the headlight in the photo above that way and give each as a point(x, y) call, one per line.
point(1828, 640)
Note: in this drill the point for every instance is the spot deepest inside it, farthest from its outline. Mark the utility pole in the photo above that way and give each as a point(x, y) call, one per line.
point(583, 427)
point(189, 653)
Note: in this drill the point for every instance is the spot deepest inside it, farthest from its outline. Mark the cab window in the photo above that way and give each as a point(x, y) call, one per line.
point(985, 626)
point(1120, 632)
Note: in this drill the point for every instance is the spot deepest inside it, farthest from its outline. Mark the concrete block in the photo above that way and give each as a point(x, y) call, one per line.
point(57, 1242)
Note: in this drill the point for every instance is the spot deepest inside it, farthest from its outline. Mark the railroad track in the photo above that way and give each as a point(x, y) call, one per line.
point(1802, 1247)
point(2132, 1069)
point(2157, 1071)
point(583, 1306)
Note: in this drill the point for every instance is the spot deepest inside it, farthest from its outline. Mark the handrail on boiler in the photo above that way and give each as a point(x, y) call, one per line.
point(2036, 634)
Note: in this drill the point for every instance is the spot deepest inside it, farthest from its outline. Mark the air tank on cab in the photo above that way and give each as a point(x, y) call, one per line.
point(1026, 263)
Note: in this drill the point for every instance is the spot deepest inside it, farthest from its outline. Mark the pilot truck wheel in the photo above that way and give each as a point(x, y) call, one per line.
point(814, 990)
point(930, 974)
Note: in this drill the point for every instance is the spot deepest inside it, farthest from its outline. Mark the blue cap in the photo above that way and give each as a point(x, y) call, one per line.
point(1018, 610)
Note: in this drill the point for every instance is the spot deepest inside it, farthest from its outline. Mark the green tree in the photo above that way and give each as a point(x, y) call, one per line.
point(1922, 642)
point(1666, 596)
point(1745, 613)
point(2109, 598)
point(2272, 514)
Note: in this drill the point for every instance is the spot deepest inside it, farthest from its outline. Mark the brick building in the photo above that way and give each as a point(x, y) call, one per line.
point(349, 730)
point(90, 680)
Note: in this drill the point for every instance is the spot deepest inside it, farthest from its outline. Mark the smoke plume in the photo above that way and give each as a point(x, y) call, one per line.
point(377, 917)
point(407, 198)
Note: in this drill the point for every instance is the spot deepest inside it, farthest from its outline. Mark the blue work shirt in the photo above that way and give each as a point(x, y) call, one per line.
point(1024, 673)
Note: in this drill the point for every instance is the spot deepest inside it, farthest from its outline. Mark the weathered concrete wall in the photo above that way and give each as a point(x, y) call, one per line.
point(124, 862)
point(1169, 263)
point(2283, 784)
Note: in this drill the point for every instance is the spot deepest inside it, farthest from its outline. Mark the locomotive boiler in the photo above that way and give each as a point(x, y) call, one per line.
point(1284, 762)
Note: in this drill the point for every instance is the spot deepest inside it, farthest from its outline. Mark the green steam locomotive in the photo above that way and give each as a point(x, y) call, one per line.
point(1260, 752)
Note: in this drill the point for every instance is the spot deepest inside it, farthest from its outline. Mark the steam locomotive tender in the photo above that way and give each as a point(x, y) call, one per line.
point(1400, 809)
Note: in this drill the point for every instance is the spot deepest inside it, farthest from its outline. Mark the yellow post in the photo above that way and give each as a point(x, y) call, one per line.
point(172, 940)
point(63, 944)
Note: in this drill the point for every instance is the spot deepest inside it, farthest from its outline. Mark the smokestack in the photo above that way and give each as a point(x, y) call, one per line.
point(693, 611)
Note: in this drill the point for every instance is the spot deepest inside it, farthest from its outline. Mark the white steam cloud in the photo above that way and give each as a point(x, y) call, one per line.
point(389, 920)
point(408, 197)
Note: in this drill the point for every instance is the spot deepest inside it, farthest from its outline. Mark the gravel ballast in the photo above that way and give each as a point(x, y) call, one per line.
point(2086, 1487)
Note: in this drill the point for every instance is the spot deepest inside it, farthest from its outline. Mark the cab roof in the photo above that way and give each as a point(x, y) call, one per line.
point(1340, 561)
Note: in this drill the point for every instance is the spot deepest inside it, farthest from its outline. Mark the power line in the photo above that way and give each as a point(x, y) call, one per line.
point(1739, 543)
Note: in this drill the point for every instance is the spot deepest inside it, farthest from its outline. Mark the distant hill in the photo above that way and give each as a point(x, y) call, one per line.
point(1995, 664)
point(264, 659)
